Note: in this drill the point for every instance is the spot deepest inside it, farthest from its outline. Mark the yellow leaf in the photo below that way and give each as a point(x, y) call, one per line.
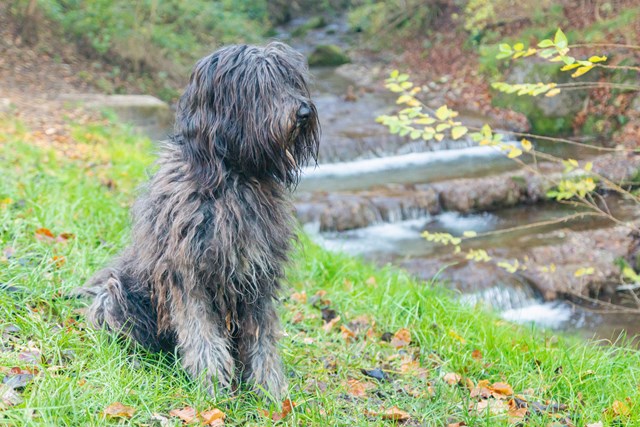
point(595, 59)
point(582, 70)
point(531, 51)
point(439, 137)
point(526, 145)
point(518, 47)
point(552, 92)
point(514, 152)
point(442, 113)
point(424, 121)
point(570, 66)
point(458, 132)
point(405, 99)
point(588, 166)
point(394, 74)
point(486, 131)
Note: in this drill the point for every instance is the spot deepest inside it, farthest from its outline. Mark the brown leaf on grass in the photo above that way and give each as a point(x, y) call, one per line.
point(502, 389)
point(619, 409)
point(476, 354)
point(347, 334)
point(63, 237)
point(44, 234)
point(498, 390)
point(118, 410)
point(517, 410)
point(358, 388)
point(329, 325)
point(300, 297)
point(297, 317)
point(401, 338)
point(452, 378)
point(393, 414)
point(213, 417)
point(460, 424)
point(287, 407)
point(371, 281)
point(187, 414)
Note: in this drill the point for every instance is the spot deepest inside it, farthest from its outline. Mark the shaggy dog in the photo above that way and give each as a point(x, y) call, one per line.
point(213, 227)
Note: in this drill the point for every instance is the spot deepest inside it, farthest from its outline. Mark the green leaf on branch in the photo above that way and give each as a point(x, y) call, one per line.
point(560, 40)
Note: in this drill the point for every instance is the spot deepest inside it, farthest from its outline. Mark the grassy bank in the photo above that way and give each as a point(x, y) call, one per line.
point(439, 362)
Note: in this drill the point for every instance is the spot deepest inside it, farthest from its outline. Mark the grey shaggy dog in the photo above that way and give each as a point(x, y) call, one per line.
point(213, 227)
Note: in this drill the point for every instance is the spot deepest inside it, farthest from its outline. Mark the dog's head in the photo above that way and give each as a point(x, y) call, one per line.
point(247, 110)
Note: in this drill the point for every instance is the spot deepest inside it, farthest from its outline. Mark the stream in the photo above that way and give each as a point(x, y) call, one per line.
point(357, 154)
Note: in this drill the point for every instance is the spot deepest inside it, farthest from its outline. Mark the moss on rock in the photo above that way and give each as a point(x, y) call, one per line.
point(328, 55)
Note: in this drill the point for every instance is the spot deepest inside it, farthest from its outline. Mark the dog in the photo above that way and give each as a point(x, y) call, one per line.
point(213, 227)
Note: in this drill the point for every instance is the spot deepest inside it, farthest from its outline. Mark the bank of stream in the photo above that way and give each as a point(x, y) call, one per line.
point(359, 156)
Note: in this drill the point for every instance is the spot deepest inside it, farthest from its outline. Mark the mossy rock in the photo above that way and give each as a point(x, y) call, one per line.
point(548, 116)
point(328, 55)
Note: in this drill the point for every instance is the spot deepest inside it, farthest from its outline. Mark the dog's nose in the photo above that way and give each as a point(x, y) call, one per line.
point(303, 112)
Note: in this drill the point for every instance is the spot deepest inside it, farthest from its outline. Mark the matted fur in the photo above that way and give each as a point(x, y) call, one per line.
point(213, 227)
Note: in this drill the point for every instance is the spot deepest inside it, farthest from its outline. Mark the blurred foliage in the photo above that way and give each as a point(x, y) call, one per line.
point(387, 20)
point(148, 35)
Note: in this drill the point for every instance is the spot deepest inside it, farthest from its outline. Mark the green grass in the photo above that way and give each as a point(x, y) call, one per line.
point(80, 371)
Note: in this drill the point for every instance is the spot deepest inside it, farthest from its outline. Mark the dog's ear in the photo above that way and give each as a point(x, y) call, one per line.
point(193, 130)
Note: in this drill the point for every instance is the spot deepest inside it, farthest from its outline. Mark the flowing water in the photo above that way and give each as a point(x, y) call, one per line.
point(358, 154)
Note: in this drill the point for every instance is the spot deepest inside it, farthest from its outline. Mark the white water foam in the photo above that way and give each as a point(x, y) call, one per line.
point(551, 315)
point(378, 237)
point(381, 164)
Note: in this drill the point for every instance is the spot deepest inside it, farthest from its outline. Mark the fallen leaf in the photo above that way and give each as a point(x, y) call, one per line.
point(187, 414)
point(287, 407)
point(476, 354)
point(213, 417)
point(357, 388)
point(394, 414)
point(598, 424)
point(299, 297)
point(619, 409)
point(503, 389)
point(164, 421)
point(8, 396)
point(347, 334)
point(118, 410)
point(63, 237)
point(401, 338)
point(297, 317)
point(329, 325)
point(17, 380)
point(452, 378)
point(44, 234)
point(32, 356)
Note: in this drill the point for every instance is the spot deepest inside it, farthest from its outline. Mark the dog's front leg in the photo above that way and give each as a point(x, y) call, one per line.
point(204, 348)
point(257, 350)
